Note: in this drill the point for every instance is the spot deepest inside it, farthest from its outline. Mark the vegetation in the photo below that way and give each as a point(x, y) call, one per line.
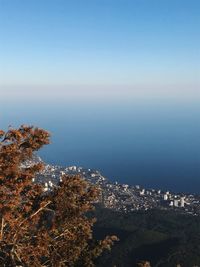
point(37, 228)
point(163, 238)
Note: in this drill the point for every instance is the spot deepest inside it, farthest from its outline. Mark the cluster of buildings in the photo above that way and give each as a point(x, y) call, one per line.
point(122, 197)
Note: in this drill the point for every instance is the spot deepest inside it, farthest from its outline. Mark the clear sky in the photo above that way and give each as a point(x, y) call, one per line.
point(142, 46)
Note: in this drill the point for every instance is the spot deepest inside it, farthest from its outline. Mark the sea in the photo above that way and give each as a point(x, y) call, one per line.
point(152, 143)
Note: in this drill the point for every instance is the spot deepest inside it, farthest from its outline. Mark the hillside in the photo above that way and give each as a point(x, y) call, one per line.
point(164, 238)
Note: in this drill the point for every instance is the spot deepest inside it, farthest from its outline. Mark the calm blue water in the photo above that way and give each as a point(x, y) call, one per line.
point(153, 144)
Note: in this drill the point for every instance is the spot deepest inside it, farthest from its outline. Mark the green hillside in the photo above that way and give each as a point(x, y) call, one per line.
point(163, 238)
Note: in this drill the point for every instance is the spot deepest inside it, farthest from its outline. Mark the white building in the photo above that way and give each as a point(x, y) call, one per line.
point(182, 202)
point(176, 202)
point(142, 192)
point(165, 197)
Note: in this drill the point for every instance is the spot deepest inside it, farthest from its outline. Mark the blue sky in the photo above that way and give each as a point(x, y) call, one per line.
point(94, 46)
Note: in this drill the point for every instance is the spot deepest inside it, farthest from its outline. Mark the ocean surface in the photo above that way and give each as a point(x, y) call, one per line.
point(155, 144)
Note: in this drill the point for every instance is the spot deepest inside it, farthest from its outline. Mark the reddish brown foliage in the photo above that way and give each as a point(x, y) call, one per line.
point(38, 229)
point(144, 264)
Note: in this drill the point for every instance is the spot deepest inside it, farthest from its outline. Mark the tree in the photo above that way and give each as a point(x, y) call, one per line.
point(38, 228)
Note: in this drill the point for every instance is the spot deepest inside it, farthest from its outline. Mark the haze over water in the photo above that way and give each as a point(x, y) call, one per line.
point(153, 144)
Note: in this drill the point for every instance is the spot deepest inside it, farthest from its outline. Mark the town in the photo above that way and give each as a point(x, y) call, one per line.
point(121, 197)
